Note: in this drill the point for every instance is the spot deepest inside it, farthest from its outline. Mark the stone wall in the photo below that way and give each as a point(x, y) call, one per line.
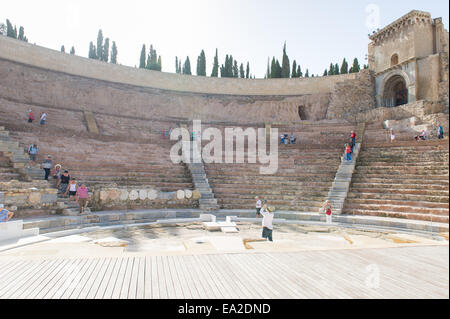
point(22, 196)
point(353, 97)
point(53, 90)
point(124, 198)
point(29, 54)
point(419, 109)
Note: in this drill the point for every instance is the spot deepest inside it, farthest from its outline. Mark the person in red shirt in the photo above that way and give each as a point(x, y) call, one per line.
point(30, 116)
point(353, 139)
point(348, 151)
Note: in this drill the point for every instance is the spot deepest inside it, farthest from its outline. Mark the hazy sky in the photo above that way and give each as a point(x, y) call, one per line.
point(317, 32)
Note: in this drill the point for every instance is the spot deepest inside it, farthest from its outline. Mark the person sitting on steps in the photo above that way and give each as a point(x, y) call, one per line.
point(5, 215)
point(63, 182)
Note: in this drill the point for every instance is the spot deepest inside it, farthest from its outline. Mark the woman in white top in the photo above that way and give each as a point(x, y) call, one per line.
point(72, 189)
point(267, 223)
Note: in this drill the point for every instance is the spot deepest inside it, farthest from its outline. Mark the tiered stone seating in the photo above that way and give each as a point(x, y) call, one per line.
point(7, 172)
point(403, 180)
point(305, 174)
point(128, 151)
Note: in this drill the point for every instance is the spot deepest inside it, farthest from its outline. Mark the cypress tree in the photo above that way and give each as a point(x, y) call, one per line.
point(72, 51)
point(201, 64)
point(176, 65)
point(105, 55)
point(241, 71)
point(2, 28)
point(187, 67)
point(344, 67)
point(336, 69)
point(159, 63)
point(356, 67)
point(21, 34)
point(235, 69)
point(331, 70)
point(114, 53)
point(153, 62)
point(10, 30)
point(307, 73)
point(92, 51)
point(285, 68)
point(142, 64)
point(247, 72)
point(99, 54)
point(325, 73)
point(294, 69)
point(63, 49)
point(299, 72)
point(215, 70)
point(268, 76)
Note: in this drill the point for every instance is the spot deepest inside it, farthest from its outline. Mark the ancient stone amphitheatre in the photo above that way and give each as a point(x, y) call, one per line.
point(156, 229)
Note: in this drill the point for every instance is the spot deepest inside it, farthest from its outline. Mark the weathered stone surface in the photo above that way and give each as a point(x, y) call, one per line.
point(113, 194)
point(34, 198)
point(196, 195)
point(104, 195)
point(124, 194)
point(180, 194)
point(152, 194)
point(134, 195)
point(143, 194)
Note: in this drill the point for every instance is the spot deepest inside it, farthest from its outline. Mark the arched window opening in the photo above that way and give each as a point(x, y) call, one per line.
point(394, 60)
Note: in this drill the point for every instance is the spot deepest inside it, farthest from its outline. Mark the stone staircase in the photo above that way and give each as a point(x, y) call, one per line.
point(407, 179)
point(18, 167)
point(197, 170)
point(341, 184)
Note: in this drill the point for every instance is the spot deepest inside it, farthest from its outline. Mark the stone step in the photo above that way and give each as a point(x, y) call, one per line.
point(398, 208)
point(398, 202)
point(379, 213)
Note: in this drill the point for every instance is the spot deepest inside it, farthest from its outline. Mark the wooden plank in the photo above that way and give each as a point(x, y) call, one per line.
point(161, 279)
point(106, 279)
point(109, 289)
point(197, 277)
point(148, 278)
point(42, 276)
point(182, 276)
point(134, 279)
point(69, 281)
point(207, 276)
point(230, 271)
point(155, 279)
point(127, 279)
point(120, 279)
point(16, 281)
point(180, 261)
point(62, 283)
point(93, 278)
point(53, 279)
point(252, 277)
point(222, 283)
point(175, 278)
point(170, 288)
point(83, 286)
point(140, 289)
point(100, 278)
point(12, 268)
point(77, 278)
